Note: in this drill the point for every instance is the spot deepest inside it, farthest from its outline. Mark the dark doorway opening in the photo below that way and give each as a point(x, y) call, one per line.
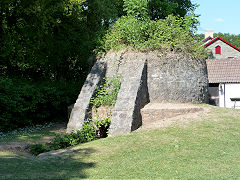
point(213, 94)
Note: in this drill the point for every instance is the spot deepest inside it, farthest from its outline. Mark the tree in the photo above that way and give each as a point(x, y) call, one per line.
point(136, 30)
point(160, 9)
point(52, 39)
point(231, 38)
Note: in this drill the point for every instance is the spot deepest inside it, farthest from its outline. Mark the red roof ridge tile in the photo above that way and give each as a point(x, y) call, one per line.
point(223, 41)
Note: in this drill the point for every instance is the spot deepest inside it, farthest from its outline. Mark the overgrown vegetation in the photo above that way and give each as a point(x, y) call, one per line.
point(92, 128)
point(106, 94)
point(25, 103)
point(138, 31)
point(50, 41)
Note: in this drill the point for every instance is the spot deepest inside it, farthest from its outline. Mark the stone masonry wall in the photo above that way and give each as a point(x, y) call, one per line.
point(177, 78)
point(132, 96)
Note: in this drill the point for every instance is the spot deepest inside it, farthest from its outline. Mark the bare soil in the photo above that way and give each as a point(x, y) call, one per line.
point(22, 147)
point(178, 120)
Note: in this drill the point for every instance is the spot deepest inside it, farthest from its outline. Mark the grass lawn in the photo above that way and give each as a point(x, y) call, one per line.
point(206, 148)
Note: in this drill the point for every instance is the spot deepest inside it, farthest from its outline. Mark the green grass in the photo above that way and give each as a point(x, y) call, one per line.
point(206, 148)
point(30, 134)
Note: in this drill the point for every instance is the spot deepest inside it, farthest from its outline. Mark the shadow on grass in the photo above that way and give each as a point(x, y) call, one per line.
point(32, 134)
point(64, 166)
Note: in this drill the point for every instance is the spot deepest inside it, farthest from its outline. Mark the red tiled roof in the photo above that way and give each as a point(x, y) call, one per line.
point(223, 70)
point(222, 41)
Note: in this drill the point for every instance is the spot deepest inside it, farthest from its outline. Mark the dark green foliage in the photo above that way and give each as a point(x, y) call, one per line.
point(42, 39)
point(160, 9)
point(36, 149)
point(91, 130)
point(49, 39)
point(24, 103)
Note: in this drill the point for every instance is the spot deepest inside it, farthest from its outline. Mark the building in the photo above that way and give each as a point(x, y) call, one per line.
point(224, 82)
point(223, 67)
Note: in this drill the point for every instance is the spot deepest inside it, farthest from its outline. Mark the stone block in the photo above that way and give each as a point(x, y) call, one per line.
point(81, 109)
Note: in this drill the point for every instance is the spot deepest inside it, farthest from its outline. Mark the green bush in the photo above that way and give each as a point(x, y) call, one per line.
point(172, 33)
point(36, 149)
point(25, 103)
point(90, 131)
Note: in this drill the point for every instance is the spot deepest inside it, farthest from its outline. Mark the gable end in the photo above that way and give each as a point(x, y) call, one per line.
point(218, 38)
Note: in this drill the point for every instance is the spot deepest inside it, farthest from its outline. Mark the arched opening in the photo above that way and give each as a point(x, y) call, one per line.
point(218, 50)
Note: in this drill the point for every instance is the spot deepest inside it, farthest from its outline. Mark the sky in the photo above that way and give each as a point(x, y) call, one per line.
point(219, 15)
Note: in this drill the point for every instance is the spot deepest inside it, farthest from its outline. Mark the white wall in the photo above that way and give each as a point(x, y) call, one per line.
point(231, 90)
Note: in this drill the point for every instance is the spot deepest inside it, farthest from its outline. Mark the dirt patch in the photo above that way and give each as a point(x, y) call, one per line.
point(22, 147)
point(182, 119)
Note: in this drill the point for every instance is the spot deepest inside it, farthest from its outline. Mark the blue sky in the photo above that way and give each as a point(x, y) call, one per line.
point(219, 15)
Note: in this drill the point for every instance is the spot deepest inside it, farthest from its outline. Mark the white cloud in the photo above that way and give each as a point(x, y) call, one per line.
point(219, 20)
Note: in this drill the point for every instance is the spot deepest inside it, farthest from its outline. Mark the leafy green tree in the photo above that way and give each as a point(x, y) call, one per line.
point(160, 9)
point(136, 8)
point(52, 39)
point(232, 38)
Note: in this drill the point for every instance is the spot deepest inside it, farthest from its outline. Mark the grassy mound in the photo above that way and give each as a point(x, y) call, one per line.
point(206, 147)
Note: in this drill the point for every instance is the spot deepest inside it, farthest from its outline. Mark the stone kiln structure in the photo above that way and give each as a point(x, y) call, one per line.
point(146, 77)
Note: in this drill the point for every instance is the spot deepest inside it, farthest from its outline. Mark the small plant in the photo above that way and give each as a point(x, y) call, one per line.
point(106, 95)
point(101, 126)
point(38, 149)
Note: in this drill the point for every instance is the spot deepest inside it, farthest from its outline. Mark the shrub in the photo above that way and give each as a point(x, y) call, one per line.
point(25, 103)
point(171, 33)
point(38, 149)
point(89, 132)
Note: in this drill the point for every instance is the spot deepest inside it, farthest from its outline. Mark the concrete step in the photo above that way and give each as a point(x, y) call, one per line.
point(154, 112)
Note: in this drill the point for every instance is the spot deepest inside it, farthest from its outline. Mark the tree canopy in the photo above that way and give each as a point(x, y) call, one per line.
point(52, 39)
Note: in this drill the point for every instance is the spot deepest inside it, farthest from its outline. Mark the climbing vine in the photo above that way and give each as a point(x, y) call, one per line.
point(106, 94)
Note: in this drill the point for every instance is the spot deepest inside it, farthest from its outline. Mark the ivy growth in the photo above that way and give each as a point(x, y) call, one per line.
point(106, 94)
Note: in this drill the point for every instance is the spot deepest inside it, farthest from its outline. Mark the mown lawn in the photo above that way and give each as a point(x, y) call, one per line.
point(206, 148)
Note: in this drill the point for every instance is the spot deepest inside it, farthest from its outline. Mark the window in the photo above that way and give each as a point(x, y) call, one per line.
point(218, 50)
